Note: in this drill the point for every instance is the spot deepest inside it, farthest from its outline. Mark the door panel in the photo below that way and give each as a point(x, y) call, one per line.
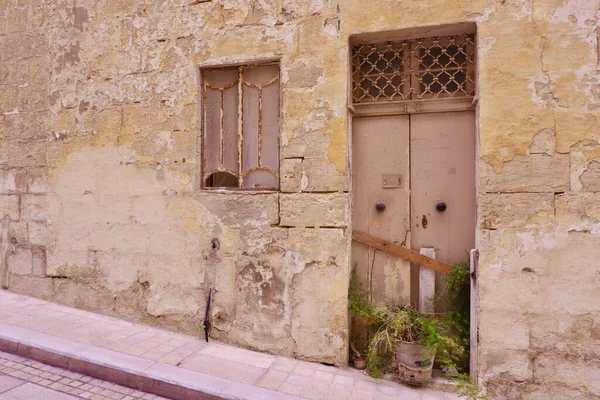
point(443, 170)
point(381, 157)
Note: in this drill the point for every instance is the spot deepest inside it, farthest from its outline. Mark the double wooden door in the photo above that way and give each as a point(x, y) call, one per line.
point(413, 185)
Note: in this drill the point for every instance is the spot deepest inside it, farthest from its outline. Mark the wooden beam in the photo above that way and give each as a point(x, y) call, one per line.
point(402, 252)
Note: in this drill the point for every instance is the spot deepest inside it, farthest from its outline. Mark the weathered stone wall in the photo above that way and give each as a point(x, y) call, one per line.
point(100, 200)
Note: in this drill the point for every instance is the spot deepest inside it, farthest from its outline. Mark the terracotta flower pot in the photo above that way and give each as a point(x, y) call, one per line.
point(415, 363)
point(360, 362)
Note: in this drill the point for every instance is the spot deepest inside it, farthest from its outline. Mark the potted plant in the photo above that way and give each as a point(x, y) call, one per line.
point(413, 338)
point(400, 333)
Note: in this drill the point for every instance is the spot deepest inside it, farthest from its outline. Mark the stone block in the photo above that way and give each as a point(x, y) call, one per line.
point(320, 336)
point(118, 271)
point(590, 178)
point(3, 152)
point(33, 98)
point(578, 209)
point(312, 174)
point(9, 206)
point(20, 261)
point(291, 175)
point(184, 145)
point(322, 245)
point(38, 261)
point(125, 238)
point(534, 173)
point(303, 75)
point(25, 126)
point(174, 300)
point(39, 70)
point(543, 142)
point(18, 232)
point(577, 333)
point(32, 286)
point(261, 289)
point(17, 19)
point(27, 154)
point(149, 209)
point(515, 209)
point(8, 98)
point(237, 210)
point(67, 261)
point(40, 234)
point(322, 175)
point(13, 181)
point(305, 143)
point(512, 364)
point(23, 45)
point(573, 127)
point(552, 369)
point(492, 332)
point(324, 210)
point(556, 265)
point(33, 207)
point(13, 72)
point(37, 180)
point(115, 8)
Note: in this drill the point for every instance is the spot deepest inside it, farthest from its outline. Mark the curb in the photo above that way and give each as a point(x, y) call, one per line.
point(134, 372)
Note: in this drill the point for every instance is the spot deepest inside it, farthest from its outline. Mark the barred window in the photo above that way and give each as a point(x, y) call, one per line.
point(240, 135)
point(428, 68)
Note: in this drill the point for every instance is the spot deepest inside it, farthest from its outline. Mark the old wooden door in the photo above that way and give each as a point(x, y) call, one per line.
point(443, 212)
point(443, 184)
point(414, 185)
point(381, 177)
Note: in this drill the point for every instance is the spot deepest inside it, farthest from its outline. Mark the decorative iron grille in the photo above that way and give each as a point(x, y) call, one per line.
point(428, 68)
point(240, 138)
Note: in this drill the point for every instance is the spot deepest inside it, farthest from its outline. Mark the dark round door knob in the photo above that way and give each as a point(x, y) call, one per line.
point(380, 206)
point(440, 206)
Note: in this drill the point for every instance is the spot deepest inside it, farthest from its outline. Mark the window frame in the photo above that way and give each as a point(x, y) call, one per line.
point(201, 139)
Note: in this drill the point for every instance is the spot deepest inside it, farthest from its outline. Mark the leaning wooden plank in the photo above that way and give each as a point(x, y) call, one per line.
point(402, 252)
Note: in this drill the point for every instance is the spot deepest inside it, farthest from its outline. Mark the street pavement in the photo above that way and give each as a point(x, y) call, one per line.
point(25, 379)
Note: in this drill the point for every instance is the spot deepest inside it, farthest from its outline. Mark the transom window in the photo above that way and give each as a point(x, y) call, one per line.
point(420, 69)
point(240, 135)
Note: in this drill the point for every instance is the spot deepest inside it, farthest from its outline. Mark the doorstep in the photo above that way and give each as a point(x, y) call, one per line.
point(176, 366)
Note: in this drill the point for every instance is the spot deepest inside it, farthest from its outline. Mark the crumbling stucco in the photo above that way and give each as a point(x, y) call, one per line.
point(99, 198)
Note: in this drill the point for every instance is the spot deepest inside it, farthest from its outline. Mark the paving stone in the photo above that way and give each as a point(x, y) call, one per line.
point(323, 376)
point(64, 383)
point(273, 379)
point(304, 371)
point(30, 391)
point(177, 359)
point(291, 388)
point(242, 373)
point(284, 364)
point(8, 382)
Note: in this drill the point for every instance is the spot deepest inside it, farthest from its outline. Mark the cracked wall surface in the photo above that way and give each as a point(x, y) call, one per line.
point(100, 207)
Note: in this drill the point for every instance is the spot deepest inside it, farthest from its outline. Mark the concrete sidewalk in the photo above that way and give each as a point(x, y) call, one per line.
point(174, 365)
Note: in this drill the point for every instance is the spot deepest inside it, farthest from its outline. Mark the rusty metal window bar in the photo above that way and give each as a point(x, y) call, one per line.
point(420, 69)
point(240, 135)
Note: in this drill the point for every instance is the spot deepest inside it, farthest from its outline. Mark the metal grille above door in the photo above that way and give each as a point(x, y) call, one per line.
point(428, 68)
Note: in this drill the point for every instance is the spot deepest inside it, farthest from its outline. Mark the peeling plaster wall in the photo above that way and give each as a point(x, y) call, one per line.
point(99, 199)
point(100, 202)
